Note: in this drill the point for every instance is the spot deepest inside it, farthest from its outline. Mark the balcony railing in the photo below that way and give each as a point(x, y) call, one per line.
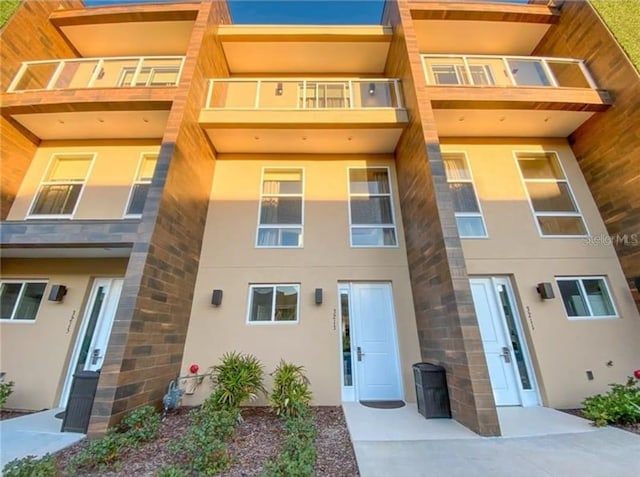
point(112, 72)
point(506, 71)
point(311, 94)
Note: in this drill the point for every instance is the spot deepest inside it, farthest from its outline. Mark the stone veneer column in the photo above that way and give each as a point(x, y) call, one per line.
point(607, 146)
point(447, 325)
point(147, 342)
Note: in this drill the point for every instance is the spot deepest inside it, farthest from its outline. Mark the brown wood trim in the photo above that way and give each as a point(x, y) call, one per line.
point(87, 106)
point(504, 12)
point(23, 130)
point(125, 14)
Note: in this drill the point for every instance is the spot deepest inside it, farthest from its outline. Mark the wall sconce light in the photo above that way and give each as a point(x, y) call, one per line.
point(279, 89)
point(216, 297)
point(637, 283)
point(57, 292)
point(318, 296)
point(545, 290)
point(372, 88)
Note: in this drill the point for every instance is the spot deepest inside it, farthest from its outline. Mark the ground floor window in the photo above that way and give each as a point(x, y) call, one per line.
point(274, 303)
point(586, 297)
point(20, 300)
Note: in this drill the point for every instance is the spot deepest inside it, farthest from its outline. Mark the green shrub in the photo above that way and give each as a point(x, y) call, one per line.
point(237, 379)
point(222, 423)
point(298, 455)
point(621, 405)
point(141, 425)
point(291, 394)
point(100, 454)
point(6, 388)
point(31, 467)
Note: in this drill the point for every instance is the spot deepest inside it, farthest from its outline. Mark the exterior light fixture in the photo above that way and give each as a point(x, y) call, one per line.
point(57, 292)
point(318, 296)
point(372, 88)
point(279, 89)
point(545, 290)
point(216, 297)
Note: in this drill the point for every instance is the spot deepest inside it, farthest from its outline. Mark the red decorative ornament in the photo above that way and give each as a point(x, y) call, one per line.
point(193, 369)
point(636, 373)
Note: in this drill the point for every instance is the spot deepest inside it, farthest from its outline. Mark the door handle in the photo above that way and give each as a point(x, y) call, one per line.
point(95, 356)
point(359, 353)
point(506, 354)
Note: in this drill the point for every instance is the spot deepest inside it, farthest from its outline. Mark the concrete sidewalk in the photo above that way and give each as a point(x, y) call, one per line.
point(35, 434)
point(543, 443)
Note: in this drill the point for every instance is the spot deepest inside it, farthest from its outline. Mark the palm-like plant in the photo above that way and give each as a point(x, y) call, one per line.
point(291, 394)
point(237, 379)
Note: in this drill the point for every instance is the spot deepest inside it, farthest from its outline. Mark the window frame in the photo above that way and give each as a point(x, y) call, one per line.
point(471, 181)
point(272, 321)
point(151, 70)
point(137, 181)
point(281, 226)
point(565, 180)
point(369, 226)
point(43, 182)
point(23, 287)
point(583, 295)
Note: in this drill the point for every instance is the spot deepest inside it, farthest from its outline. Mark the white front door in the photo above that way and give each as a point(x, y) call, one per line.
point(95, 330)
point(374, 348)
point(507, 357)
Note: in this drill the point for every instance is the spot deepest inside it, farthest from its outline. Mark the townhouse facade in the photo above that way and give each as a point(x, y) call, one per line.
point(457, 185)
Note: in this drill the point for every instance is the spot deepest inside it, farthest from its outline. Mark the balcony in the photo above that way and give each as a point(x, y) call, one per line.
point(490, 95)
point(304, 115)
point(118, 72)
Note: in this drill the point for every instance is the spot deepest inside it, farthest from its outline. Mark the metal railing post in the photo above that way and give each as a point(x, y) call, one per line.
point(207, 104)
point(507, 68)
point(468, 70)
point(96, 72)
point(136, 73)
point(587, 74)
point(549, 73)
point(256, 105)
point(396, 85)
point(350, 84)
point(18, 77)
point(56, 75)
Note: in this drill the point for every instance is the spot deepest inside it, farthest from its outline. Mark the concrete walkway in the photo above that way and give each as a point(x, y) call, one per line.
point(35, 434)
point(537, 442)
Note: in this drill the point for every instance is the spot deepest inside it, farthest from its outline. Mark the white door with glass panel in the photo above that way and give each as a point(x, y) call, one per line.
point(372, 351)
point(95, 330)
point(510, 371)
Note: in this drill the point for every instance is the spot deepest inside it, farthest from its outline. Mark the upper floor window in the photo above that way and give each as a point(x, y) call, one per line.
point(140, 189)
point(465, 200)
point(550, 196)
point(281, 203)
point(481, 74)
point(62, 186)
point(273, 303)
point(586, 297)
point(371, 208)
point(20, 300)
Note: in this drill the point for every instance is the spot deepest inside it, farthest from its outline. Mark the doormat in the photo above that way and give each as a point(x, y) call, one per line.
point(60, 415)
point(383, 404)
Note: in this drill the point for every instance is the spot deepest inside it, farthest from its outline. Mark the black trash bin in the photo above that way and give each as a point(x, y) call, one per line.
point(431, 390)
point(78, 412)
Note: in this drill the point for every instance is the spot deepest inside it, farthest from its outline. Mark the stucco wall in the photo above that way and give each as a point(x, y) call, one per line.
point(230, 261)
point(35, 355)
point(562, 349)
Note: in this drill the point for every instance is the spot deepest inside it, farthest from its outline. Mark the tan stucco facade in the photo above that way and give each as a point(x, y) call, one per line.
point(109, 181)
point(562, 349)
point(231, 262)
point(35, 354)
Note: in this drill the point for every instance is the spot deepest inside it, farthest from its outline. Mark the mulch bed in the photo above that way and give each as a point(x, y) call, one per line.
point(258, 438)
point(9, 414)
point(635, 428)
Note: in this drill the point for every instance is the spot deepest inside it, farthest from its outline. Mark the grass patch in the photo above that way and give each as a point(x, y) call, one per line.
point(7, 7)
point(621, 16)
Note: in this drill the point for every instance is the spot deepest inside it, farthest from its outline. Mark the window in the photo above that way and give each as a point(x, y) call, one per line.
point(273, 303)
point(150, 76)
point(371, 208)
point(586, 297)
point(465, 200)
point(20, 300)
point(61, 187)
point(325, 95)
point(550, 196)
point(280, 216)
point(457, 75)
point(140, 188)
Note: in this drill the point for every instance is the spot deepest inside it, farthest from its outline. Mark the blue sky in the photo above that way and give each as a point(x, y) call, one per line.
point(335, 12)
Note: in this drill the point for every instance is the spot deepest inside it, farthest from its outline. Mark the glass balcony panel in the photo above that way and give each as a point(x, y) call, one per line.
point(374, 94)
point(279, 94)
point(529, 73)
point(75, 74)
point(568, 74)
point(234, 94)
point(36, 76)
point(488, 72)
